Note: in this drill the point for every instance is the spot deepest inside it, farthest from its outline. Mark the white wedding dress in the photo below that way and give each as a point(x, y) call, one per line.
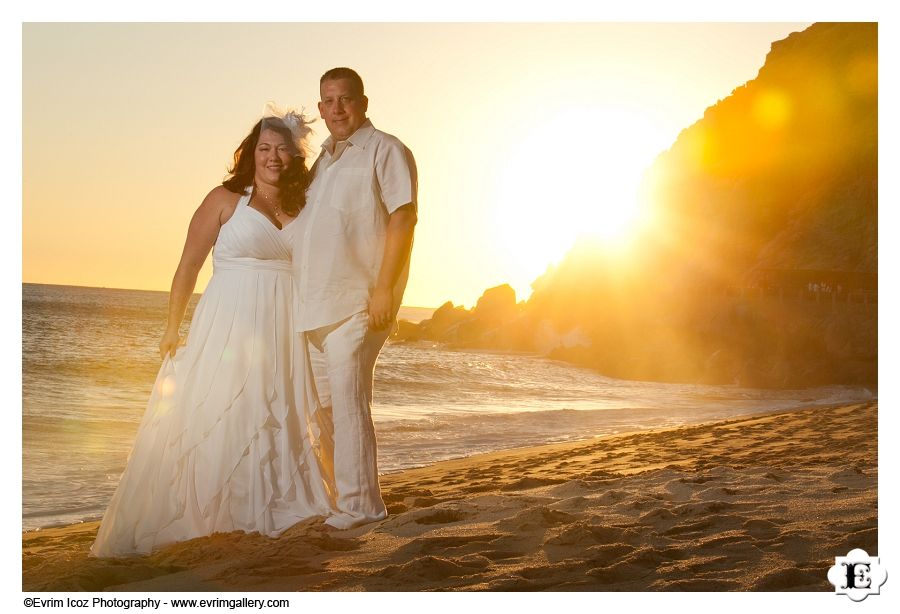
point(229, 439)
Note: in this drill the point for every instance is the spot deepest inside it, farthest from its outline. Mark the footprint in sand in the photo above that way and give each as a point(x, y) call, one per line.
point(441, 517)
point(851, 477)
point(396, 508)
point(442, 544)
point(329, 543)
point(866, 538)
point(791, 579)
point(423, 501)
point(583, 533)
point(436, 569)
point(678, 489)
point(715, 523)
point(600, 474)
point(618, 573)
point(700, 564)
point(536, 518)
point(761, 529)
point(700, 479)
point(611, 497)
point(727, 539)
point(529, 483)
point(702, 508)
point(606, 554)
point(659, 514)
point(643, 503)
point(573, 489)
point(393, 497)
point(579, 534)
point(552, 572)
point(480, 487)
point(608, 534)
point(111, 573)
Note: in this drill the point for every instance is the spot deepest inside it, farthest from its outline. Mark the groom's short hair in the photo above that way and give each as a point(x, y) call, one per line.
point(342, 72)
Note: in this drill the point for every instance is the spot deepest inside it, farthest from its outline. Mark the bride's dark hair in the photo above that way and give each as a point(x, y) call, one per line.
point(294, 179)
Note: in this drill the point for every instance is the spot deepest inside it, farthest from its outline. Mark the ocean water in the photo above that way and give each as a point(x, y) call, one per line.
point(89, 359)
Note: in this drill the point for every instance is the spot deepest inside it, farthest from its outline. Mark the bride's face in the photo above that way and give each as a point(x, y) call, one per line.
point(272, 156)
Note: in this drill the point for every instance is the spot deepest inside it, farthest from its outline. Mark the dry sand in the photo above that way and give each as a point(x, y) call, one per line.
point(762, 503)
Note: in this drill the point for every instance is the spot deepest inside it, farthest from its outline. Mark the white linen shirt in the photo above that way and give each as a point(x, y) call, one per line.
point(339, 237)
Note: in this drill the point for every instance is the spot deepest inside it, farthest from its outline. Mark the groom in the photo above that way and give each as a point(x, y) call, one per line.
point(351, 262)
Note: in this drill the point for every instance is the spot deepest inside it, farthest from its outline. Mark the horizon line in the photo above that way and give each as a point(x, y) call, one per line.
point(38, 283)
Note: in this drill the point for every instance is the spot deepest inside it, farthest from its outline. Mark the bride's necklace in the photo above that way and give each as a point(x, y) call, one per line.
point(274, 208)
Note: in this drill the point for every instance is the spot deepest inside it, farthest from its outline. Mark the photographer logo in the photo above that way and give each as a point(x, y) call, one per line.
point(857, 575)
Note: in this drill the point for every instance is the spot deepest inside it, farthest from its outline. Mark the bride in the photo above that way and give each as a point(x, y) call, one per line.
point(228, 440)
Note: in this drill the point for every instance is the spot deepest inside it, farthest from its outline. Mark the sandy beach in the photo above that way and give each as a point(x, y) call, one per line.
point(760, 503)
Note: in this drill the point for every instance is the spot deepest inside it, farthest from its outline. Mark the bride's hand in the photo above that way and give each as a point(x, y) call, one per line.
point(169, 344)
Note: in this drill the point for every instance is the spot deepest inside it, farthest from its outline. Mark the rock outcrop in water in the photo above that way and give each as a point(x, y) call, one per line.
point(761, 265)
point(485, 326)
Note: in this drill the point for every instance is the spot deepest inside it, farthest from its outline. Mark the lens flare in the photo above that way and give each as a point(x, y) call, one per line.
point(772, 109)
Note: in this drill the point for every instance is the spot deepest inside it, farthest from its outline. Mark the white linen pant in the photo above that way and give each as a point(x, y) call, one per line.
point(343, 359)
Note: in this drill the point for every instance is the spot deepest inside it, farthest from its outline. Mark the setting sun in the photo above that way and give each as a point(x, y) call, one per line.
point(574, 175)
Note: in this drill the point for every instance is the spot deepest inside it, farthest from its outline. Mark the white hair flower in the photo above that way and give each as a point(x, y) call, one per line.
point(294, 121)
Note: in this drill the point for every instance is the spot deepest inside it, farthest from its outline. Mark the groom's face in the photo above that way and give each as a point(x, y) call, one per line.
point(342, 108)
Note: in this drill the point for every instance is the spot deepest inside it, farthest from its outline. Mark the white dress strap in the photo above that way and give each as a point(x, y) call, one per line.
point(245, 198)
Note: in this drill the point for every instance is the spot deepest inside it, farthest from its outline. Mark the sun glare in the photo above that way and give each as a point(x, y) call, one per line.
point(576, 175)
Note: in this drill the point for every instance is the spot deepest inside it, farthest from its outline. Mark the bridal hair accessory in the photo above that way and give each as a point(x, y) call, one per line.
point(278, 119)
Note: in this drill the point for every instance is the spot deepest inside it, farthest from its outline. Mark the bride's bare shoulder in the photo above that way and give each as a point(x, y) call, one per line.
point(221, 201)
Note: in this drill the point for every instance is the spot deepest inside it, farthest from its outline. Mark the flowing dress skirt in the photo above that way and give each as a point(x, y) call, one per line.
point(229, 440)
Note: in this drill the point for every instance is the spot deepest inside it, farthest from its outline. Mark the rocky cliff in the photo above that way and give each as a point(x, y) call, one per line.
point(761, 265)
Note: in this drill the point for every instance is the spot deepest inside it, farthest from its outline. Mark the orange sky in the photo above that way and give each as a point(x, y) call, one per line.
point(525, 135)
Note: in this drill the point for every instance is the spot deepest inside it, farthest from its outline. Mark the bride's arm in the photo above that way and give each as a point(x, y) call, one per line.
point(202, 233)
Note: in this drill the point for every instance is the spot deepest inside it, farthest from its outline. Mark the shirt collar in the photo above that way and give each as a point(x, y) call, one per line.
point(357, 139)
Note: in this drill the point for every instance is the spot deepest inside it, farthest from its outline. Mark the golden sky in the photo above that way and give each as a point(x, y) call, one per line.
point(526, 135)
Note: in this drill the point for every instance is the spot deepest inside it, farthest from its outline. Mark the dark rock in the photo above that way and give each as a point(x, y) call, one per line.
point(442, 322)
point(406, 331)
